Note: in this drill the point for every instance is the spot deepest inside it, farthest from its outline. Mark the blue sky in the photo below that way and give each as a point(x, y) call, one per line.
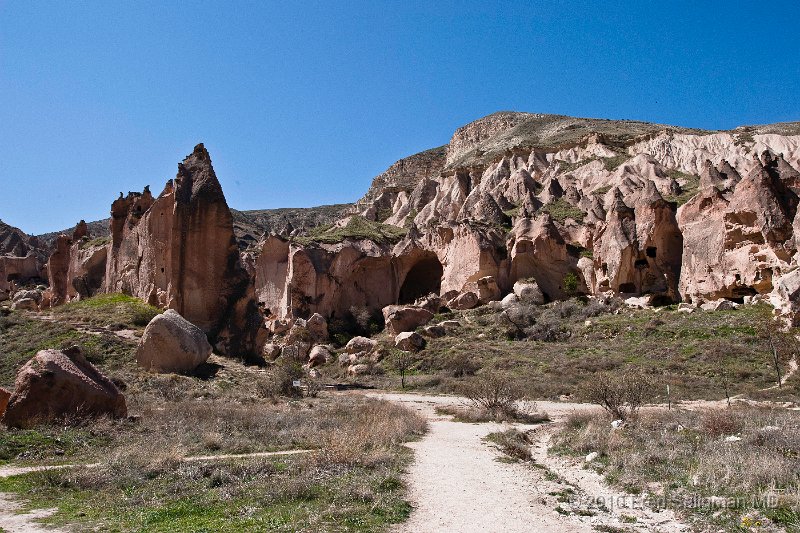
point(302, 103)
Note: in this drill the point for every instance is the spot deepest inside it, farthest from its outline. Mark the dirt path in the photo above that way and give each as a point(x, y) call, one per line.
point(459, 482)
point(12, 521)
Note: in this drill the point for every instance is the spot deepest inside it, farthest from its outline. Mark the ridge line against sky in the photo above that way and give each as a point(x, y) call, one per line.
point(303, 104)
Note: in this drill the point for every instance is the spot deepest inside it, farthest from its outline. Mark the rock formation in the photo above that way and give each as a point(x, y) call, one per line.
point(179, 251)
point(61, 384)
point(571, 205)
point(171, 343)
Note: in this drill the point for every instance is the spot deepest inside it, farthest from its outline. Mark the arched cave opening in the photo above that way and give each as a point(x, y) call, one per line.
point(424, 278)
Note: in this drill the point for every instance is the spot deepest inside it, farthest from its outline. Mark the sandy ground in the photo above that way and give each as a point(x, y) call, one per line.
point(458, 484)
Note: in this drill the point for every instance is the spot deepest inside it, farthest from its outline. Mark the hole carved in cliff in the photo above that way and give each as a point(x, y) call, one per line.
point(425, 277)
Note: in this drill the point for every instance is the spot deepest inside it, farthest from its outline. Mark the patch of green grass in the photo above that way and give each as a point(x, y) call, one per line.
point(118, 310)
point(690, 185)
point(284, 496)
point(357, 228)
point(97, 241)
point(561, 210)
point(611, 163)
point(602, 190)
point(22, 337)
point(47, 443)
point(694, 353)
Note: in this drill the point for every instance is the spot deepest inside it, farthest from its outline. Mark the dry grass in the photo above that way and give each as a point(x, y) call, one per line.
point(525, 412)
point(512, 442)
point(689, 453)
point(350, 483)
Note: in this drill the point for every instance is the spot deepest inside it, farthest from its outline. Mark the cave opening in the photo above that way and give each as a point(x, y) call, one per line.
point(424, 278)
point(627, 288)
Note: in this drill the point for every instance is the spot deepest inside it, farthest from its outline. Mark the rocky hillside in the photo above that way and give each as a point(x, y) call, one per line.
point(249, 226)
point(576, 206)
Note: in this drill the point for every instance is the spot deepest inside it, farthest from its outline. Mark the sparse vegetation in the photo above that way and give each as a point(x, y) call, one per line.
point(689, 183)
point(351, 483)
point(688, 456)
point(552, 349)
point(611, 163)
point(512, 442)
point(357, 228)
point(97, 241)
point(621, 394)
point(561, 210)
point(115, 310)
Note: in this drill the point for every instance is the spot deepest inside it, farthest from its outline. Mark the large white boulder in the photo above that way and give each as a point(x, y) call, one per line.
point(172, 344)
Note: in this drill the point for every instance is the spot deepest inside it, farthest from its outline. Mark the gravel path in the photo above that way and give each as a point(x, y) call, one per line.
point(459, 482)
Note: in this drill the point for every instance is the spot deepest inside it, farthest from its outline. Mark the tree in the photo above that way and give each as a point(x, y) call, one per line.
point(781, 344)
point(622, 394)
point(403, 363)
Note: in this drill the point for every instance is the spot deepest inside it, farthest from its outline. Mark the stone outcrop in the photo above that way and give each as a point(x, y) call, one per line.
point(575, 206)
point(179, 251)
point(405, 318)
point(409, 341)
point(61, 385)
point(171, 343)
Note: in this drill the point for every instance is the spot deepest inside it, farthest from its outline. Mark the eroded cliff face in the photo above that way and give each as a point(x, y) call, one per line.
point(577, 205)
point(628, 207)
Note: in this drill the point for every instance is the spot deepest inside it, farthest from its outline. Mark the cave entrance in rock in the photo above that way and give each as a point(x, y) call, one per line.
point(425, 277)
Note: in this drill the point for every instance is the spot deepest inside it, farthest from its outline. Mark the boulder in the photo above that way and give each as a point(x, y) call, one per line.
point(488, 290)
point(271, 351)
point(529, 291)
point(4, 397)
point(319, 356)
point(410, 341)
point(432, 303)
point(25, 304)
point(467, 300)
point(509, 301)
point(171, 343)
point(279, 325)
point(317, 327)
point(435, 331)
point(400, 319)
point(360, 344)
point(296, 352)
point(33, 294)
point(719, 305)
point(61, 384)
point(358, 370)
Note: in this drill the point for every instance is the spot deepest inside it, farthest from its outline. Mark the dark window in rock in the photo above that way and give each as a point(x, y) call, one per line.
point(627, 288)
point(640, 263)
point(424, 278)
point(660, 300)
point(651, 251)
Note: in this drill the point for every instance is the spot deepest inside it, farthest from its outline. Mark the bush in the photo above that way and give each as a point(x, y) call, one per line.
point(512, 442)
point(570, 283)
point(494, 392)
point(621, 394)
